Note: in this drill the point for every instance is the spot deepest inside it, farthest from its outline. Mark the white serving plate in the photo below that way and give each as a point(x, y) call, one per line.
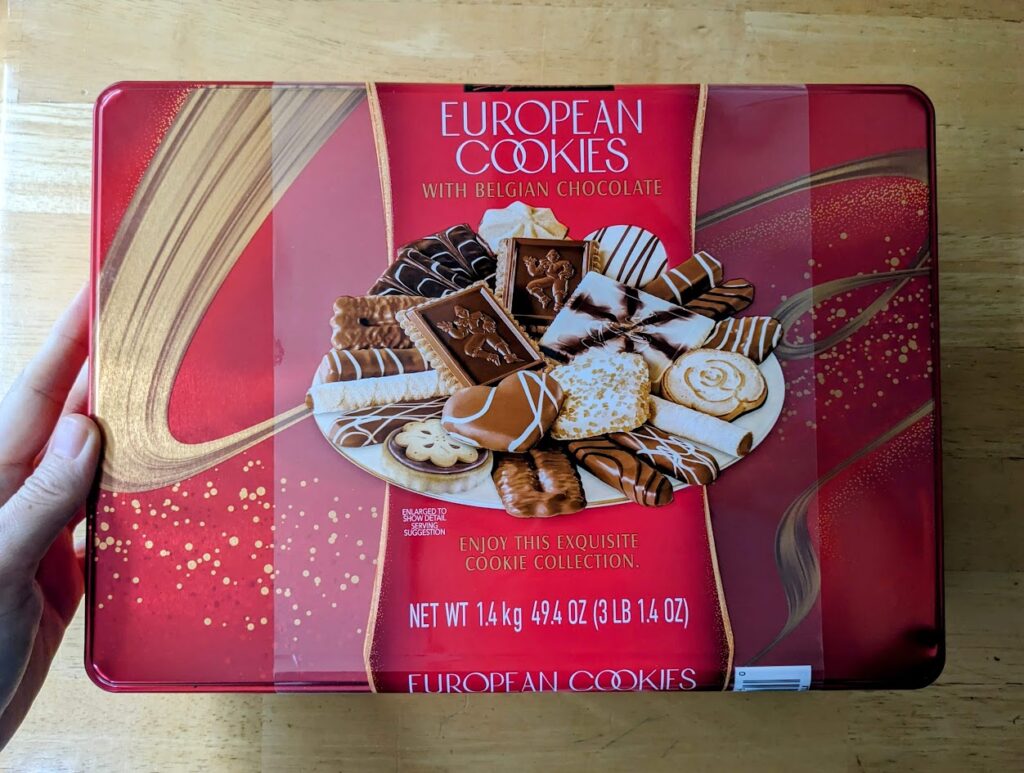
point(759, 422)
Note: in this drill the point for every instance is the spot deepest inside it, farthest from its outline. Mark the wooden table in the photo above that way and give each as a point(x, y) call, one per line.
point(58, 56)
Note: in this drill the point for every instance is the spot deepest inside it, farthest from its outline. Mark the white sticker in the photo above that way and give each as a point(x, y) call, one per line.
point(764, 678)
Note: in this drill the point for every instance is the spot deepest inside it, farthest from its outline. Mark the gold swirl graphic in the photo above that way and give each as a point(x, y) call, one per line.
point(795, 556)
point(790, 310)
point(907, 163)
point(695, 151)
point(380, 142)
point(225, 162)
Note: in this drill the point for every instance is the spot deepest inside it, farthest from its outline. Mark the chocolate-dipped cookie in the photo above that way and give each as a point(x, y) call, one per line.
point(512, 416)
point(687, 280)
point(356, 364)
point(622, 469)
point(469, 337)
point(629, 254)
point(422, 456)
point(438, 265)
point(671, 455)
point(729, 298)
point(368, 322)
point(753, 337)
point(369, 426)
point(538, 484)
point(535, 277)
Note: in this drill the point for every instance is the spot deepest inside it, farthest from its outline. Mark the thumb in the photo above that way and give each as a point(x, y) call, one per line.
point(47, 501)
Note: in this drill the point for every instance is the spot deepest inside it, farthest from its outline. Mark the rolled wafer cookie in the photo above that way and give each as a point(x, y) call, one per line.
point(687, 280)
point(622, 469)
point(350, 395)
point(368, 322)
point(538, 484)
point(355, 364)
point(753, 337)
point(730, 297)
point(700, 428)
point(371, 425)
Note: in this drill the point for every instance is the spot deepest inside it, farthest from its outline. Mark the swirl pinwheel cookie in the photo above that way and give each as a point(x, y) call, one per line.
point(609, 317)
point(422, 456)
point(719, 383)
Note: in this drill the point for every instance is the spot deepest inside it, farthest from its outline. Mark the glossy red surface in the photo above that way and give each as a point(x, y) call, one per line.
point(155, 622)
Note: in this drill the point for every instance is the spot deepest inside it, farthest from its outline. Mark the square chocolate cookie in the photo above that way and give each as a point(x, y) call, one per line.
point(469, 337)
point(535, 277)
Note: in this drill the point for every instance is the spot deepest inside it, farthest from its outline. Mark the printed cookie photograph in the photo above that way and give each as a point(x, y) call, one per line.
point(657, 368)
point(502, 386)
point(564, 390)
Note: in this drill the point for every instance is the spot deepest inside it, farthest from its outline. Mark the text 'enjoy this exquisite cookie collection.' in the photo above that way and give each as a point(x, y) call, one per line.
point(518, 362)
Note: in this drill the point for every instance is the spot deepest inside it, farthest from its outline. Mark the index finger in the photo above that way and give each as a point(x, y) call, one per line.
point(30, 410)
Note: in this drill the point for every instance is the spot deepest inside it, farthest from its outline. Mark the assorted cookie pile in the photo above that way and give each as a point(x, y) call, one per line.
point(521, 356)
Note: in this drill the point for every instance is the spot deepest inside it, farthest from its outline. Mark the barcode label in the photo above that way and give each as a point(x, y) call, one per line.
point(763, 678)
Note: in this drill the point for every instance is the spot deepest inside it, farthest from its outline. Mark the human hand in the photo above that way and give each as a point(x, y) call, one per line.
point(48, 455)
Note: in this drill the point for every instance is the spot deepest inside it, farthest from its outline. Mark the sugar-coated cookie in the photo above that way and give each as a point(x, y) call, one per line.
point(603, 393)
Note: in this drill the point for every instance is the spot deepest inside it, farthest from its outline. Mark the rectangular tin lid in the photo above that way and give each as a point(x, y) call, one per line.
point(723, 473)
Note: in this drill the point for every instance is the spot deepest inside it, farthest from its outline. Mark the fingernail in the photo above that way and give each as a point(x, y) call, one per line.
point(69, 437)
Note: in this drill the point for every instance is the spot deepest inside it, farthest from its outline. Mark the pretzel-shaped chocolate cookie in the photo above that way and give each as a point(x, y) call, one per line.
point(538, 484)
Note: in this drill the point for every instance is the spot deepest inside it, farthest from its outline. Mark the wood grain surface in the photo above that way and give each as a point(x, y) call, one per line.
point(966, 55)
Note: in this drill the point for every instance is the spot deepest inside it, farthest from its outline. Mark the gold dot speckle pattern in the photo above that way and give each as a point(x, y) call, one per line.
point(194, 559)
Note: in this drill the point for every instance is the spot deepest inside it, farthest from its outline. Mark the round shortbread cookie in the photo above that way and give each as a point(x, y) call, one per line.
point(422, 456)
point(718, 383)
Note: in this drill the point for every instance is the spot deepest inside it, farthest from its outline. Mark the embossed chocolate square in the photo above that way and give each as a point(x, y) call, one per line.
point(469, 337)
point(535, 277)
